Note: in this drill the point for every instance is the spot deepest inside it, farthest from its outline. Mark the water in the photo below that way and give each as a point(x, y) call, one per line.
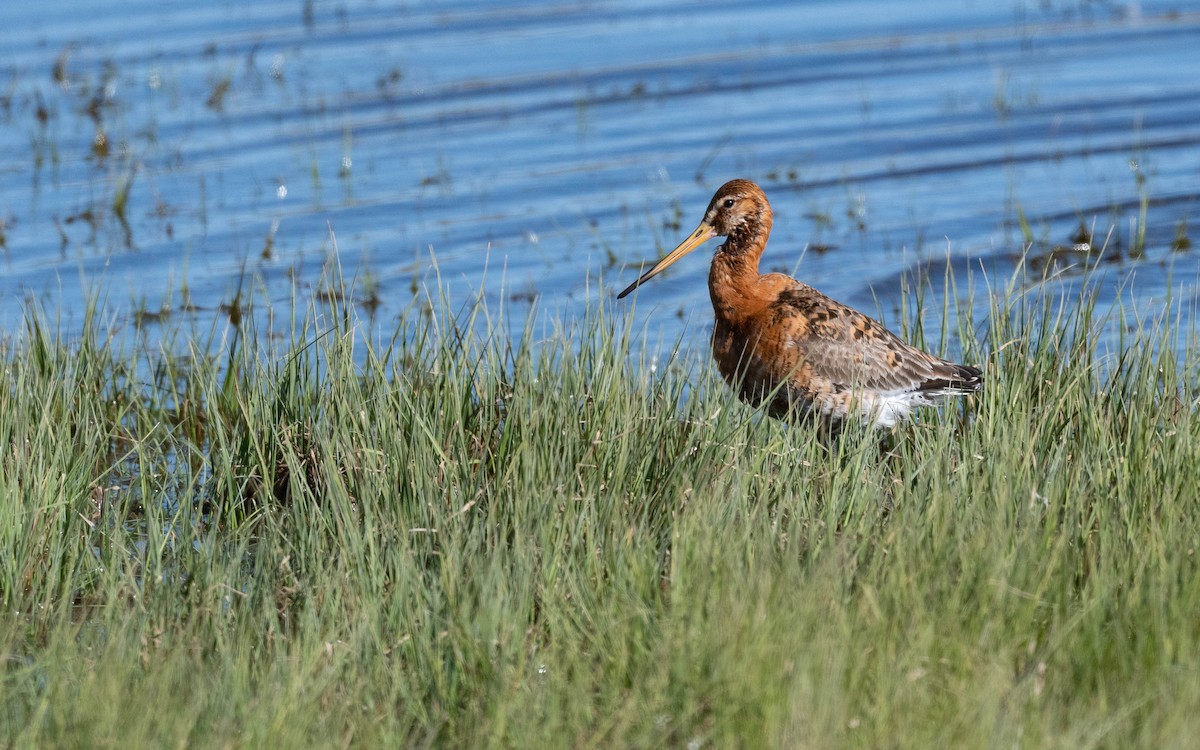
point(544, 150)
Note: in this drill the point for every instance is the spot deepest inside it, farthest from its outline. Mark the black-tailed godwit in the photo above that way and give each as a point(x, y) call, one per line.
point(783, 345)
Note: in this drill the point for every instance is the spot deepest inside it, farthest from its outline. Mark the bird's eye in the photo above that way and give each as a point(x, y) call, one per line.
point(728, 203)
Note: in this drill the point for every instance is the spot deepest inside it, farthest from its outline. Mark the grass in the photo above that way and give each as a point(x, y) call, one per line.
point(455, 539)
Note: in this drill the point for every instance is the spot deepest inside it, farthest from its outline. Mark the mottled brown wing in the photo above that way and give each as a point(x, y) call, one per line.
point(847, 348)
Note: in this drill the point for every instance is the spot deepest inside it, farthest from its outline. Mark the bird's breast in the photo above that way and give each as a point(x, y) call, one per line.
point(759, 361)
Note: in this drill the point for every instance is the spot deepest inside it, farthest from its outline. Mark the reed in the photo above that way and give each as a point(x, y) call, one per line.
point(456, 538)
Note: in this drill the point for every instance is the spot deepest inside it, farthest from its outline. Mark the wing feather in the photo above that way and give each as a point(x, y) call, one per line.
point(847, 349)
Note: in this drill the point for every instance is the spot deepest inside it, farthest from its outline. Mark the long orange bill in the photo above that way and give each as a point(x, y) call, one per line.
point(703, 234)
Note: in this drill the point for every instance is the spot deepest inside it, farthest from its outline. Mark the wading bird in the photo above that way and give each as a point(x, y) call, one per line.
point(784, 346)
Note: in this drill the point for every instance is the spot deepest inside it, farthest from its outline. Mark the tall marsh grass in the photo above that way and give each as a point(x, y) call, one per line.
point(454, 538)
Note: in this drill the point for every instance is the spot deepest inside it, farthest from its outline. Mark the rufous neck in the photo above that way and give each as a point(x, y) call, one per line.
point(733, 276)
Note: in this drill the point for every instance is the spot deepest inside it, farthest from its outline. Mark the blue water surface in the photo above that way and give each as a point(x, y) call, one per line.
point(163, 153)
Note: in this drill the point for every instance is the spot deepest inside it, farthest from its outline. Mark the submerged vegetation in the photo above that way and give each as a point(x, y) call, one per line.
point(458, 539)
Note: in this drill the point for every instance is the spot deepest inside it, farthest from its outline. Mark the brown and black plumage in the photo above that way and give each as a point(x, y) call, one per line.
point(785, 346)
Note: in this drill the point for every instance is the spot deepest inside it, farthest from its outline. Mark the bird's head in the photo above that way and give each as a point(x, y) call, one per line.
point(738, 207)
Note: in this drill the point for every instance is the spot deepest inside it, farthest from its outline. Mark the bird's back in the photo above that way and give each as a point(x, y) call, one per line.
point(802, 352)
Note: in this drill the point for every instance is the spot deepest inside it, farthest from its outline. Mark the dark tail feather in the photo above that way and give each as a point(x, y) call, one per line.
point(954, 380)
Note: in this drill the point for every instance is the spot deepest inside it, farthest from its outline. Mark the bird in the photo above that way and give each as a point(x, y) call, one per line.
point(785, 347)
